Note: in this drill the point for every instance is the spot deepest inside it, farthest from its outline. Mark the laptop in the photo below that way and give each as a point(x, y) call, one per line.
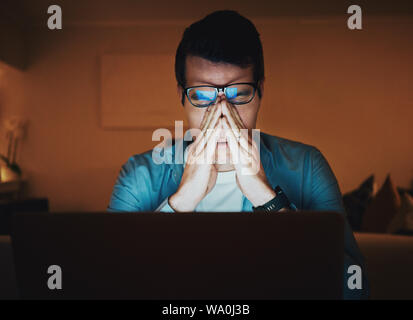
point(152, 255)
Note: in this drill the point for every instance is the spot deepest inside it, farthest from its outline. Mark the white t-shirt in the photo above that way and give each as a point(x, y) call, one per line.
point(225, 196)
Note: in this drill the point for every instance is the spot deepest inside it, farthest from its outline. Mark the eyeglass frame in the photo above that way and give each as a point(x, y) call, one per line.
point(220, 89)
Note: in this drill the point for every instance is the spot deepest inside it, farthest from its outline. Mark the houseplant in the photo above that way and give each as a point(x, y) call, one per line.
point(14, 130)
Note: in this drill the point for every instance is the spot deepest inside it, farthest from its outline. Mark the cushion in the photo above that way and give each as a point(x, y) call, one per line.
point(403, 221)
point(403, 190)
point(382, 209)
point(356, 202)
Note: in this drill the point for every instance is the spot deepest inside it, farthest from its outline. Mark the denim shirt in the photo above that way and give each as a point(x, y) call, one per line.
point(300, 170)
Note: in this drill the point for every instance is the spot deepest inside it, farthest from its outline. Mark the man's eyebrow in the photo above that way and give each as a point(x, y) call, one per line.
point(200, 83)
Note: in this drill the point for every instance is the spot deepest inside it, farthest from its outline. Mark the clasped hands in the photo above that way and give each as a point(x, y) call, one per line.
point(221, 120)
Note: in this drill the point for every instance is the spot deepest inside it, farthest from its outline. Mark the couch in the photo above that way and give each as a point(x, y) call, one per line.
point(389, 264)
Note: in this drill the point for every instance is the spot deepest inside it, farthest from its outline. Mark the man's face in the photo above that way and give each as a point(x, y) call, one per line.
point(200, 71)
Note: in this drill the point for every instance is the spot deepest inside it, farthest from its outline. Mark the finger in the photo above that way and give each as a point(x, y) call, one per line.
point(239, 157)
point(199, 143)
point(206, 133)
point(209, 122)
point(235, 115)
point(239, 123)
point(232, 143)
point(246, 149)
point(230, 118)
point(238, 129)
point(238, 133)
point(253, 141)
point(211, 133)
point(244, 132)
point(214, 108)
point(246, 157)
point(211, 146)
point(227, 127)
point(208, 114)
point(205, 153)
point(214, 120)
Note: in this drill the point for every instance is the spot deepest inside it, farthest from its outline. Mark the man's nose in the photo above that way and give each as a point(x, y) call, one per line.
point(220, 97)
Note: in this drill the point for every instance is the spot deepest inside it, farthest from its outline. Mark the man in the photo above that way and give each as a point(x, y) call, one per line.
point(219, 68)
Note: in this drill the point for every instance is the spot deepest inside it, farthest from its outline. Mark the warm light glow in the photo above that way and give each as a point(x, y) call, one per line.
point(6, 174)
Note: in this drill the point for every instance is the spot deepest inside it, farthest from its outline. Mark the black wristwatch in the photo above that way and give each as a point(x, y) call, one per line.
point(280, 201)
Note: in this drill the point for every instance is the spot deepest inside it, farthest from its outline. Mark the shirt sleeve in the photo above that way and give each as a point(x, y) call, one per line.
point(124, 196)
point(165, 207)
point(326, 196)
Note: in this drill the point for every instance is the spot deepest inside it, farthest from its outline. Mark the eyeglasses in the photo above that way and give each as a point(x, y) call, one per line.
point(237, 93)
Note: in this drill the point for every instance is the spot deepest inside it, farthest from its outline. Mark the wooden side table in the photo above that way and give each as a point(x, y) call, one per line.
point(12, 189)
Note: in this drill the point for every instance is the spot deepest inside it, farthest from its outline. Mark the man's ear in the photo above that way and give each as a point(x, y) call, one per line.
point(261, 88)
point(180, 92)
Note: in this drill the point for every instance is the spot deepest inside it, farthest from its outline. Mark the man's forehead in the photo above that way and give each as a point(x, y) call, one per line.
point(203, 71)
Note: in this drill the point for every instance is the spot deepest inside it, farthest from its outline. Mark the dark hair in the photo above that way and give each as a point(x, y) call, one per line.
point(222, 36)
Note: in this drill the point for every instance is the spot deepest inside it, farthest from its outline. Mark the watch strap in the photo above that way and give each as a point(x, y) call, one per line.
point(280, 201)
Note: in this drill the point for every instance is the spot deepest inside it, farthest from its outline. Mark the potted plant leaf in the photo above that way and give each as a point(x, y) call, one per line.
point(14, 129)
